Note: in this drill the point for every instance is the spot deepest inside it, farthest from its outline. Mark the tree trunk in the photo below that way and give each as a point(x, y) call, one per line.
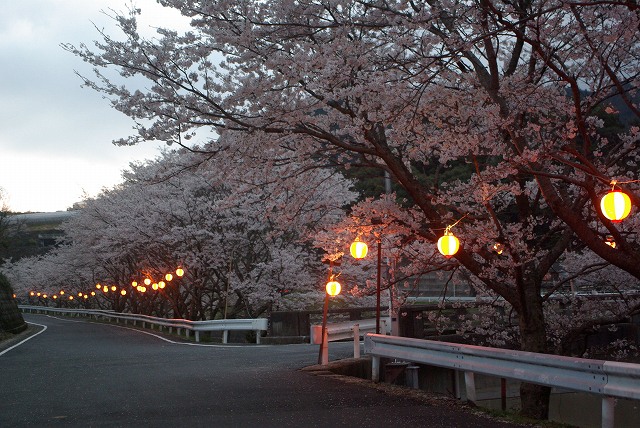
point(534, 399)
point(10, 317)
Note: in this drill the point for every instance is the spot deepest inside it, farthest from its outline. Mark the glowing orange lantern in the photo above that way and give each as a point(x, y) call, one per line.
point(498, 248)
point(179, 271)
point(448, 244)
point(147, 281)
point(162, 284)
point(615, 205)
point(168, 277)
point(359, 249)
point(154, 286)
point(333, 288)
point(610, 241)
point(105, 289)
point(134, 284)
point(123, 292)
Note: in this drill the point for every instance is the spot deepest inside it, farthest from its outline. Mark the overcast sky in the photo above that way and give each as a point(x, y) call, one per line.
point(55, 137)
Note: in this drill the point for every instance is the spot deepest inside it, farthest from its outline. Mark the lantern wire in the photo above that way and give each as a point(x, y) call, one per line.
point(614, 182)
point(447, 230)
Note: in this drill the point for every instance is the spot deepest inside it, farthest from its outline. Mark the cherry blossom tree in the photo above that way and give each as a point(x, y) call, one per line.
point(487, 114)
point(211, 217)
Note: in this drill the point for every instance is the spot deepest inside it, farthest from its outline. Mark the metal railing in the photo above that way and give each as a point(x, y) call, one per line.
point(258, 324)
point(608, 379)
point(345, 330)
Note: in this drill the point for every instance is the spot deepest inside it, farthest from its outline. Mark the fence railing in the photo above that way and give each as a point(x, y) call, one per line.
point(258, 324)
point(345, 330)
point(608, 379)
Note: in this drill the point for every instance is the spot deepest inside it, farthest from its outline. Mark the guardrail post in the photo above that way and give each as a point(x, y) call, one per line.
point(258, 334)
point(608, 411)
point(356, 341)
point(412, 378)
point(197, 336)
point(375, 368)
point(470, 385)
point(225, 336)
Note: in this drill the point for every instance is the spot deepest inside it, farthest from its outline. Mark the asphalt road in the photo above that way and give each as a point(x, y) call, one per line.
point(81, 374)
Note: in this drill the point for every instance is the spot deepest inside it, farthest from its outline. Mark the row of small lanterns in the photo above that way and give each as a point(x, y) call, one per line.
point(60, 295)
point(147, 282)
point(105, 288)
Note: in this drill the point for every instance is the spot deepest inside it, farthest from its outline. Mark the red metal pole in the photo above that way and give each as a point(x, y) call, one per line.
point(378, 287)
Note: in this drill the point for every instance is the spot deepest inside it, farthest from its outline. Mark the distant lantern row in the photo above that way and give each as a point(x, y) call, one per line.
point(60, 295)
point(148, 282)
point(106, 288)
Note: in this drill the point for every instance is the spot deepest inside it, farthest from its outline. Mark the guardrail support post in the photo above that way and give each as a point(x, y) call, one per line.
point(258, 334)
point(470, 385)
point(412, 378)
point(356, 341)
point(225, 336)
point(197, 336)
point(608, 411)
point(375, 368)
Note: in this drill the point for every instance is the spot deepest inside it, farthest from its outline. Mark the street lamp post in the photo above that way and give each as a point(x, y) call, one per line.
point(332, 289)
point(378, 281)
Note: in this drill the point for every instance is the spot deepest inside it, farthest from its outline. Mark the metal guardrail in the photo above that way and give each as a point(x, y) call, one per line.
point(607, 379)
point(258, 324)
point(345, 330)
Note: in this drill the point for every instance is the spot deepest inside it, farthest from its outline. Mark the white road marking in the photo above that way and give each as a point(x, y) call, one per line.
point(28, 338)
point(212, 345)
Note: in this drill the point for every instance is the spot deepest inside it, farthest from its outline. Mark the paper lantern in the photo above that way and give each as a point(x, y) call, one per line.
point(448, 244)
point(615, 205)
point(359, 249)
point(333, 288)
